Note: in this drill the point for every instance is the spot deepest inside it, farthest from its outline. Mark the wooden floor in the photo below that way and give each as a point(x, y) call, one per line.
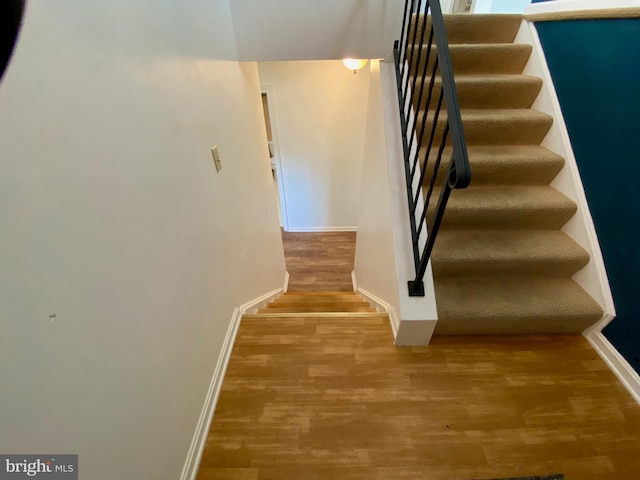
point(319, 261)
point(331, 398)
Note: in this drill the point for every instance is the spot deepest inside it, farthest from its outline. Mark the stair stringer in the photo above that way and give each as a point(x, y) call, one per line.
point(593, 277)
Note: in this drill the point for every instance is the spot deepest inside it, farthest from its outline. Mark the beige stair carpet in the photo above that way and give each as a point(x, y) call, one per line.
point(501, 263)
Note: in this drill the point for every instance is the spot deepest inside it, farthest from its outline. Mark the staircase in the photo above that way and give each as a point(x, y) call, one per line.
point(501, 263)
point(317, 304)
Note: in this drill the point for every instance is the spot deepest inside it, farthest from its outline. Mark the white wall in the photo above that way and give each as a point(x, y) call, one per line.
point(509, 6)
point(320, 30)
point(320, 109)
point(384, 257)
point(501, 6)
point(115, 221)
point(375, 223)
point(482, 6)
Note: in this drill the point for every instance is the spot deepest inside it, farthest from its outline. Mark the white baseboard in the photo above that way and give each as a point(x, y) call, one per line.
point(285, 289)
point(192, 463)
point(194, 456)
point(380, 305)
point(616, 362)
point(260, 302)
point(321, 229)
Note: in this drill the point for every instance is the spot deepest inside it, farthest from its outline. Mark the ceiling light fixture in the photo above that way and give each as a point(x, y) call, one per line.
point(354, 64)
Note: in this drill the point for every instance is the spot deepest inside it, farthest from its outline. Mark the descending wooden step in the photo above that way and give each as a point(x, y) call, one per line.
point(508, 304)
point(318, 302)
point(318, 297)
point(527, 252)
point(316, 309)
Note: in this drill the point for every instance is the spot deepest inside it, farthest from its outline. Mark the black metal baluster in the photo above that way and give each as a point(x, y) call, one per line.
point(411, 58)
point(424, 126)
point(419, 104)
point(458, 174)
point(434, 71)
point(416, 287)
point(404, 23)
point(434, 127)
point(416, 106)
point(436, 167)
point(408, 27)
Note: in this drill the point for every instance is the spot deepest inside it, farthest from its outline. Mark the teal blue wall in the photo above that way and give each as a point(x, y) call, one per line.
point(596, 71)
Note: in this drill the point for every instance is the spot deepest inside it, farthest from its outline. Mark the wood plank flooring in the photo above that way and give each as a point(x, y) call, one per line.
point(315, 302)
point(319, 261)
point(331, 398)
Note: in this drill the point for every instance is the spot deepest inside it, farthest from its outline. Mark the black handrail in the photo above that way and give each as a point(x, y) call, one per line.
point(413, 58)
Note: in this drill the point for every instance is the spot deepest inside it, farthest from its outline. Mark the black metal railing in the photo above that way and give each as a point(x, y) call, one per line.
point(435, 153)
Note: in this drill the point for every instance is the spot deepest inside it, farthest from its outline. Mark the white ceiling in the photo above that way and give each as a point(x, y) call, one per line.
point(268, 30)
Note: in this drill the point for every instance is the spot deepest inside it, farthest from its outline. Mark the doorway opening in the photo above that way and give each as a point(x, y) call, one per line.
point(274, 153)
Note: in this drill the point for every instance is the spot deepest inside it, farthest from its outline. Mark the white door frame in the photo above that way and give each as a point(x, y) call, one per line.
point(268, 91)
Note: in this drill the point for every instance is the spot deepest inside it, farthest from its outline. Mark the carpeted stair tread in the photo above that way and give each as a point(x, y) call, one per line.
point(532, 252)
point(513, 304)
point(480, 59)
point(490, 91)
point(514, 164)
point(495, 127)
point(503, 207)
point(501, 263)
point(506, 164)
point(464, 28)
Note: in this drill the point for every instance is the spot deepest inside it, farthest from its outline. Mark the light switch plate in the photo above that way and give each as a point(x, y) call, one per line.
point(216, 158)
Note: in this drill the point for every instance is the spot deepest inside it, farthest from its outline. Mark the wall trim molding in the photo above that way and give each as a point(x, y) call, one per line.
point(581, 10)
point(607, 13)
point(285, 288)
point(192, 463)
point(617, 363)
point(380, 304)
point(593, 277)
point(199, 440)
point(584, 234)
point(321, 229)
point(253, 305)
point(273, 118)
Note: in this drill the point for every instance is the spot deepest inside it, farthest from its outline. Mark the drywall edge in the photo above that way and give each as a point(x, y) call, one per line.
point(421, 310)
